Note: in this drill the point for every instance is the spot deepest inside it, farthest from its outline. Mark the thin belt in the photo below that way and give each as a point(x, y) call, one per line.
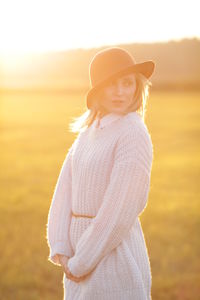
point(82, 216)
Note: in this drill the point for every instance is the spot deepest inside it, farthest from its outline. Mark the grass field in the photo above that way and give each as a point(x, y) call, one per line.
point(34, 138)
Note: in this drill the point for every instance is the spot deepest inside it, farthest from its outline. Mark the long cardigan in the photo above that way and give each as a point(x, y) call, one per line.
point(105, 176)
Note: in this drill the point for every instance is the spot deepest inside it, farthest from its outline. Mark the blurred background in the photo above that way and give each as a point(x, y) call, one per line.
point(45, 51)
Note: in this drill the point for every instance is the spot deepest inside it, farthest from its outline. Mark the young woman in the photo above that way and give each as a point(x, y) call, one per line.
point(94, 231)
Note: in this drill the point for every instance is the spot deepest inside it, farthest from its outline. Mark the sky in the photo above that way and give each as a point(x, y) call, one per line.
point(28, 26)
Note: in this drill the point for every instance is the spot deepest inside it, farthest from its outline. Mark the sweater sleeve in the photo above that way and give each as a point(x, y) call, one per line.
point(59, 216)
point(124, 200)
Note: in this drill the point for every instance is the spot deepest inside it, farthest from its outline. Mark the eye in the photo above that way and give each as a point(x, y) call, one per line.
point(127, 82)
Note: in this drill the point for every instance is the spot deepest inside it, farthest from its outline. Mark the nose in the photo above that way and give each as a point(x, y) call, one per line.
point(118, 88)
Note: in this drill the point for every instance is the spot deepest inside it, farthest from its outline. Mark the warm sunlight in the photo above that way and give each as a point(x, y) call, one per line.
point(37, 26)
point(12, 61)
point(64, 166)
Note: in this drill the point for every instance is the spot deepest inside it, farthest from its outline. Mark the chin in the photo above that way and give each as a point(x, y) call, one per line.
point(118, 110)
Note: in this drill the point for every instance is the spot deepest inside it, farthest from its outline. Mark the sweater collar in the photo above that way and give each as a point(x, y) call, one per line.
point(109, 118)
point(106, 120)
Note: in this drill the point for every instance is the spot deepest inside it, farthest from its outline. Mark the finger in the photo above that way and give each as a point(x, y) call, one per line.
point(71, 276)
point(76, 279)
point(73, 279)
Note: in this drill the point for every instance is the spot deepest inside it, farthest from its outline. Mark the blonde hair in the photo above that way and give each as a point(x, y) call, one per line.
point(139, 105)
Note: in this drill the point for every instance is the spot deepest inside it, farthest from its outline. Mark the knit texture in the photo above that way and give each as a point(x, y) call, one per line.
point(106, 174)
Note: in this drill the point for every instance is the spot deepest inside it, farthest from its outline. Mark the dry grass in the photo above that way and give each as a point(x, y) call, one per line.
point(34, 139)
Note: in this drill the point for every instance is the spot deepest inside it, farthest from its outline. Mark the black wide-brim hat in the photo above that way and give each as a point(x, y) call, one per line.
point(110, 63)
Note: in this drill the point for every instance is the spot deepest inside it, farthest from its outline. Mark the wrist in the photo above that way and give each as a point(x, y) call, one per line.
point(62, 258)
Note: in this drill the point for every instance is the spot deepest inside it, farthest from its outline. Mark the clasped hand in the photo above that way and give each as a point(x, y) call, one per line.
point(63, 261)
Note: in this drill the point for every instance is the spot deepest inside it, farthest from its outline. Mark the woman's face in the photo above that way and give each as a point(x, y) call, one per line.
point(118, 95)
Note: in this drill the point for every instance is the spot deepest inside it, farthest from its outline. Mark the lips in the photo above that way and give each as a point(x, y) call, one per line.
point(117, 101)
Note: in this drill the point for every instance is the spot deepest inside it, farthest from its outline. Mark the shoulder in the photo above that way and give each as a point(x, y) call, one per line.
point(133, 127)
point(134, 134)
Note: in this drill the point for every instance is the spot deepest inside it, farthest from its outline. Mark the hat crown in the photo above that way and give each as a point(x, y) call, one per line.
point(107, 63)
point(111, 63)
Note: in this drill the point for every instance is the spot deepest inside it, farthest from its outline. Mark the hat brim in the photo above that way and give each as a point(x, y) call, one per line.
point(146, 68)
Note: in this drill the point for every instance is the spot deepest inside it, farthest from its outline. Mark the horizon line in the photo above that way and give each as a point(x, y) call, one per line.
point(89, 48)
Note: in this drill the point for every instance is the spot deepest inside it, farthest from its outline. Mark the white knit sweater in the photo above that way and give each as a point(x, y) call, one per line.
point(106, 174)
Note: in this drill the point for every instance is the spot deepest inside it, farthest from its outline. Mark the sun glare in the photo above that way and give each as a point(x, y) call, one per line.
point(11, 62)
point(40, 26)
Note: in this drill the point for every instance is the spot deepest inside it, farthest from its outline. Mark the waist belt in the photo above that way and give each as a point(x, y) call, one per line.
point(82, 216)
